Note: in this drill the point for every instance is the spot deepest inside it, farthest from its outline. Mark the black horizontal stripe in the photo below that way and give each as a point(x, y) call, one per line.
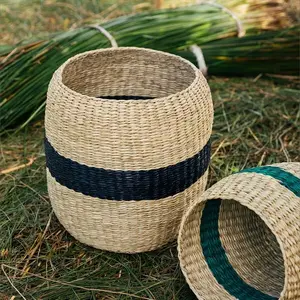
point(126, 185)
point(125, 97)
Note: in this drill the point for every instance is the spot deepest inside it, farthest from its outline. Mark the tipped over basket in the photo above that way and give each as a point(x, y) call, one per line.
point(241, 238)
point(127, 146)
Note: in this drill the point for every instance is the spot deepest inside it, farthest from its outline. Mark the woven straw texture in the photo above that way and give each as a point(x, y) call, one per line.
point(127, 146)
point(241, 238)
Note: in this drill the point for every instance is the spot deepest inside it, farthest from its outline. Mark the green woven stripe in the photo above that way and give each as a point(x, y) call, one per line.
point(285, 178)
point(217, 260)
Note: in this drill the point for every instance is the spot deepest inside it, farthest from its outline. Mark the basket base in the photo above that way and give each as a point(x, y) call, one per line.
point(121, 226)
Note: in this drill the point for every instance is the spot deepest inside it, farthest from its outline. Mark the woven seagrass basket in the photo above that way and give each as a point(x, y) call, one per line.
point(241, 238)
point(127, 146)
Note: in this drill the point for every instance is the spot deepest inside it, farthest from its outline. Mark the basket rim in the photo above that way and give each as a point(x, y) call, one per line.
point(58, 75)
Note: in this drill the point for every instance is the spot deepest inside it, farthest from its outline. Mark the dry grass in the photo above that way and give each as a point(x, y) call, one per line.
point(293, 7)
point(26, 19)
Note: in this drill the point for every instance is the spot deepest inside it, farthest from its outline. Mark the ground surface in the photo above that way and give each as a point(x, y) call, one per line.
point(256, 122)
point(30, 19)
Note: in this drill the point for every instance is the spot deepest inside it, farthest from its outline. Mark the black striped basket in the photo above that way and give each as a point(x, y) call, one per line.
point(127, 146)
point(241, 238)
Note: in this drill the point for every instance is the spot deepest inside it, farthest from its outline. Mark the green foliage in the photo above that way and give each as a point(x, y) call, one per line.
point(26, 72)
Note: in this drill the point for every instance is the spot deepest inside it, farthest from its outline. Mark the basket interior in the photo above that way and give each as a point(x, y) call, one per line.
point(128, 74)
point(241, 251)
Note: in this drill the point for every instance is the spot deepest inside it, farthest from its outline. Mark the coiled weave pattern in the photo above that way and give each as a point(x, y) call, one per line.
point(127, 146)
point(241, 238)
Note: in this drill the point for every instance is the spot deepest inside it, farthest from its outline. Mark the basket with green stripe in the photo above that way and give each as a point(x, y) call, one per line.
point(127, 146)
point(241, 238)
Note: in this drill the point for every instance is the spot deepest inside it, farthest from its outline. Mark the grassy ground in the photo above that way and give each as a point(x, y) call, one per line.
point(30, 19)
point(256, 122)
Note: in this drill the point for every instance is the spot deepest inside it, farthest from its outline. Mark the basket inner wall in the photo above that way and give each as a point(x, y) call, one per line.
point(249, 248)
point(128, 72)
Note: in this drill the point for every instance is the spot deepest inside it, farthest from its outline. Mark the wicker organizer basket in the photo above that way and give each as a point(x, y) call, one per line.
point(127, 146)
point(241, 238)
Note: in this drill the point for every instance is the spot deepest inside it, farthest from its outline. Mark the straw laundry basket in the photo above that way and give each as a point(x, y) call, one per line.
point(241, 238)
point(127, 146)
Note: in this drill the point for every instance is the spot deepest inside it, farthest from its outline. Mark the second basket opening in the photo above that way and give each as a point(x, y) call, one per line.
point(241, 251)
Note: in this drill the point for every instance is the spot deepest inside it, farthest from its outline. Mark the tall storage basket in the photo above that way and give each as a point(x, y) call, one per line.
point(241, 238)
point(127, 146)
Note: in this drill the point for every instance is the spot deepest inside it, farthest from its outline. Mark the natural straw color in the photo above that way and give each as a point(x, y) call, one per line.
point(241, 238)
point(126, 124)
